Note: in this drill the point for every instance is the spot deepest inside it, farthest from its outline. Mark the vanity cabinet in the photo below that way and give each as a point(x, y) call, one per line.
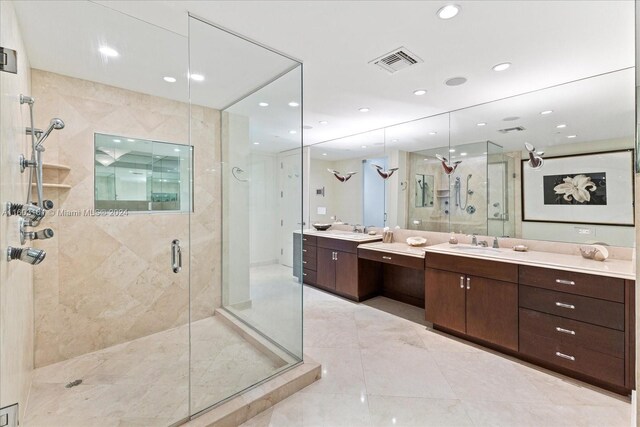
point(470, 298)
point(578, 322)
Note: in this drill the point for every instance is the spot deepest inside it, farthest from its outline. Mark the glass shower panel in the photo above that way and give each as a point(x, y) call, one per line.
point(111, 321)
point(246, 317)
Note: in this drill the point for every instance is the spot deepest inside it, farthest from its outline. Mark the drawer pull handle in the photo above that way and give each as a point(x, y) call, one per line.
point(386, 257)
point(565, 331)
point(304, 274)
point(565, 356)
point(462, 282)
point(304, 250)
point(563, 305)
point(565, 282)
point(468, 283)
point(304, 262)
point(304, 240)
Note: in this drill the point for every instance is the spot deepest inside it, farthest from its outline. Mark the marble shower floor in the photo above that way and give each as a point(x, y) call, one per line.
point(145, 382)
point(383, 370)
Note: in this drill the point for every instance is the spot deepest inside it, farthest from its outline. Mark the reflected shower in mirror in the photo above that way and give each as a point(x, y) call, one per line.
point(140, 175)
point(424, 190)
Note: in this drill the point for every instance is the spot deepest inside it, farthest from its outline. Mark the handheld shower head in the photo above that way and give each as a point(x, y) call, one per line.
point(54, 124)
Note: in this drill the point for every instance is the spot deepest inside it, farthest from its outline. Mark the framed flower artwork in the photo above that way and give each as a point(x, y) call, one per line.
point(593, 188)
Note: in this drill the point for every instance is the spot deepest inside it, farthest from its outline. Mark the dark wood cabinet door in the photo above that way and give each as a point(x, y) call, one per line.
point(445, 299)
point(326, 269)
point(347, 274)
point(492, 311)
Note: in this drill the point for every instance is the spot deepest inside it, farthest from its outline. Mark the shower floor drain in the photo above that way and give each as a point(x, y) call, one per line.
point(74, 383)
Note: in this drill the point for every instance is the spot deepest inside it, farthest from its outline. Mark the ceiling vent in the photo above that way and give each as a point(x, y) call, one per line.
point(396, 60)
point(510, 130)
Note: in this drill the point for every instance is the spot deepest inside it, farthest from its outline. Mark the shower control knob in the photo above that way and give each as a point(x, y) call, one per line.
point(47, 204)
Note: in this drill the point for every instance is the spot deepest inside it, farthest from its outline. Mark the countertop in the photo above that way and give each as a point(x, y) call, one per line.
point(623, 269)
point(342, 235)
point(396, 248)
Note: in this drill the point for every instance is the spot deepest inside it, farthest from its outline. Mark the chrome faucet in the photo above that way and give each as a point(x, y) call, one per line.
point(474, 239)
point(496, 244)
point(357, 228)
point(483, 243)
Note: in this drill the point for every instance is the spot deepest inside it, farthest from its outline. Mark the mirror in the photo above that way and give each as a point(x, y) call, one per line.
point(585, 130)
point(424, 190)
point(140, 175)
point(345, 181)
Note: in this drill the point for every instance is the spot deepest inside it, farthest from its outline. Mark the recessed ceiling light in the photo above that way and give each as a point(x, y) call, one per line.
point(571, 136)
point(432, 133)
point(116, 140)
point(293, 104)
point(452, 150)
point(456, 81)
point(394, 140)
point(263, 104)
point(256, 143)
point(176, 150)
point(130, 140)
point(324, 154)
point(419, 92)
point(449, 11)
point(501, 67)
point(323, 122)
point(108, 51)
point(169, 79)
point(293, 132)
point(560, 126)
point(364, 110)
point(364, 146)
point(545, 112)
point(463, 154)
point(484, 152)
point(481, 124)
point(197, 77)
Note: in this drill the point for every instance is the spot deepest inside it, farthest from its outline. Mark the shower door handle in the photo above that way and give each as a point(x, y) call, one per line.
point(176, 256)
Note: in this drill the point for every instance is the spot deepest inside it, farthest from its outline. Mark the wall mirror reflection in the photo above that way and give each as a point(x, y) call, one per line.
point(424, 190)
point(140, 175)
point(346, 181)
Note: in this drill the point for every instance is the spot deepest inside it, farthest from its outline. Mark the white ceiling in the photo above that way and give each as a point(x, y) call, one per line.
point(548, 42)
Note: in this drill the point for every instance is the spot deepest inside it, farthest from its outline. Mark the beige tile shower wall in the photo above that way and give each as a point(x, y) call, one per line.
point(107, 280)
point(16, 290)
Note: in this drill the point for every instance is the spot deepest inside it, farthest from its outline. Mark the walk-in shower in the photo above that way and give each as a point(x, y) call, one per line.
point(97, 298)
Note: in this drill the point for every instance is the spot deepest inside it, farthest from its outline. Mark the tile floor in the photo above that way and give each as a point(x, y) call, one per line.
point(383, 369)
point(145, 382)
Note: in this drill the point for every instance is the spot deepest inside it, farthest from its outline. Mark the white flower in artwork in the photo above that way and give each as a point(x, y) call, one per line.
point(577, 188)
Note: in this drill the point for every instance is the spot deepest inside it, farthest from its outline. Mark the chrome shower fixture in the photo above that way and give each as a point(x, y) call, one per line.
point(29, 255)
point(535, 157)
point(340, 177)
point(31, 213)
point(24, 99)
point(43, 234)
point(55, 123)
point(448, 167)
point(385, 174)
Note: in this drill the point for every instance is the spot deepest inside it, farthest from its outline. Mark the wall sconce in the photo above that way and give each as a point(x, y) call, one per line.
point(535, 157)
point(448, 168)
point(340, 177)
point(385, 174)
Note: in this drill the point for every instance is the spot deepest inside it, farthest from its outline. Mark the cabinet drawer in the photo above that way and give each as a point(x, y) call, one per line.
point(309, 276)
point(589, 285)
point(476, 267)
point(391, 258)
point(337, 244)
point(309, 257)
point(591, 310)
point(573, 332)
point(573, 357)
point(309, 240)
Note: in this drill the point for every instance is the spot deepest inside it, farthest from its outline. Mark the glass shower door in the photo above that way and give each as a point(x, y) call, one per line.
point(246, 317)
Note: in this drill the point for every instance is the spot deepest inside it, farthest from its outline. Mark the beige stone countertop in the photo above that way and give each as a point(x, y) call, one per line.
point(623, 269)
point(342, 235)
point(396, 248)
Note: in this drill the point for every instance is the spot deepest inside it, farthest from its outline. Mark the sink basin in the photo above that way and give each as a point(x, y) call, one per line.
point(476, 249)
point(345, 235)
